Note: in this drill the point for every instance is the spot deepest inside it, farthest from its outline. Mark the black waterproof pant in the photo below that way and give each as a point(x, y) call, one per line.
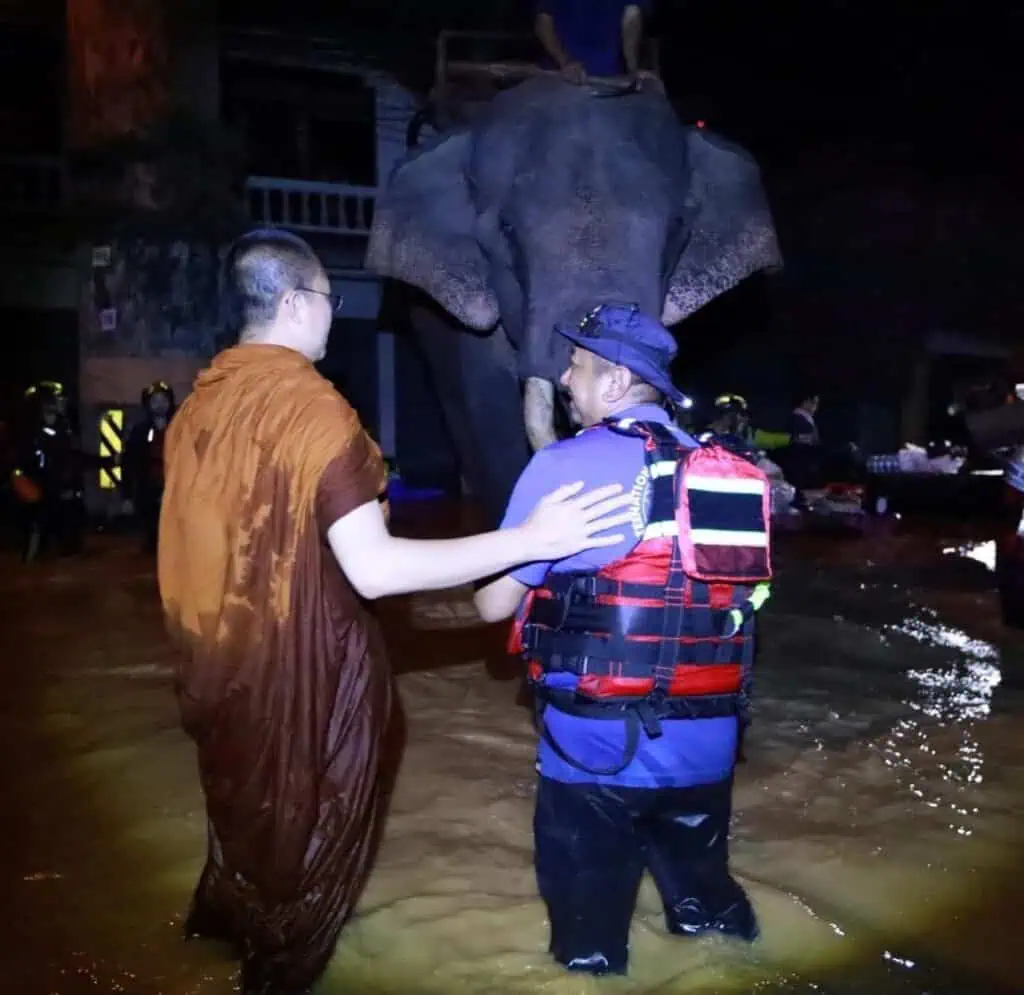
point(593, 844)
point(54, 521)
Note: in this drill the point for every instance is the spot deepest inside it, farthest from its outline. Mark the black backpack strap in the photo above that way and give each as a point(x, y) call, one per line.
point(661, 442)
point(661, 447)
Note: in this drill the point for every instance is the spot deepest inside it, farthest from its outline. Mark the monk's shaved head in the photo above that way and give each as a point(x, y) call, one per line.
point(261, 267)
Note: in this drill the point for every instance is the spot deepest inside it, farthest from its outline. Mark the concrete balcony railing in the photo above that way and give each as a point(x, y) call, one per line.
point(310, 206)
point(40, 185)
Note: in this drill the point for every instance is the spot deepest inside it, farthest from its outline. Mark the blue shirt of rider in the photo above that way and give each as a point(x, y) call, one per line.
point(690, 751)
point(591, 31)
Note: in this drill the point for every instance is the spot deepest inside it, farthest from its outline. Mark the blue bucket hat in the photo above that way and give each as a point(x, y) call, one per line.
point(625, 336)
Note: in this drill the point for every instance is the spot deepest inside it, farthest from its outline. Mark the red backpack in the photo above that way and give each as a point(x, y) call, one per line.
point(723, 512)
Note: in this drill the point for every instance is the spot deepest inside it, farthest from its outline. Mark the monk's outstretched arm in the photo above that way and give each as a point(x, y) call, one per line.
point(563, 523)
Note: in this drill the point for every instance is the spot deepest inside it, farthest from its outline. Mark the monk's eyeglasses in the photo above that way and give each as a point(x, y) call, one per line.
point(336, 299)
point(591, 325)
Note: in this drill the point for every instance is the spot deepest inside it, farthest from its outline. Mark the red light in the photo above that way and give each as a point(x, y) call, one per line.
point(700, 123)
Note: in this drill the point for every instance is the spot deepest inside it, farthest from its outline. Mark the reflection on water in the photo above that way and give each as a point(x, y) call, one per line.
point(877, 809)
point(981, 552)
point(956, 695)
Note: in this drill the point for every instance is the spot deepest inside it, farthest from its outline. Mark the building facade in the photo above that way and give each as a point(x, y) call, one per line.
point(317, 133)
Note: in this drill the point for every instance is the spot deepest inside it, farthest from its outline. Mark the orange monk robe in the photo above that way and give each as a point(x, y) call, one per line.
point(284, 685)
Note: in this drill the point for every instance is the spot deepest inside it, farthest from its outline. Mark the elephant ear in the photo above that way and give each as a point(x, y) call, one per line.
point(729, 231)
point(423, 231)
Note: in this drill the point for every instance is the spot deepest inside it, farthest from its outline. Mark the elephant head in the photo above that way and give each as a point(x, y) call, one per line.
point(556, 199)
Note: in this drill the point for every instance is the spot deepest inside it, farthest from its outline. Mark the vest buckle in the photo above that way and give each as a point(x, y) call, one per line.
point(529, 638)
point(648, 712)
point(583, 588)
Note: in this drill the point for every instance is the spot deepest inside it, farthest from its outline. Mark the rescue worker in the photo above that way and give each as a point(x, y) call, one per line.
point(144, 460)
point(637, 749)
point(803, 426)
point(48, 475)
point(731, 426)
point(803, 459)
point(584, 38)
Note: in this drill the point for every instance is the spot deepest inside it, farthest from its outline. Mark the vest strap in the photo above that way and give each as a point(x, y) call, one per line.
point(631, 657)
point(616, 623)
point(636, 715)
point(628, 752)
point(710, 706)
point(586, 587)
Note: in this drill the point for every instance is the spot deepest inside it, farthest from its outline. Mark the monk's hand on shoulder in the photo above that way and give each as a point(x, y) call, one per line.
point(570, 520)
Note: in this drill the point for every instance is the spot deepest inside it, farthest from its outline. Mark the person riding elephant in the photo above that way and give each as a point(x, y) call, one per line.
point(584, 38)
point(556, 196)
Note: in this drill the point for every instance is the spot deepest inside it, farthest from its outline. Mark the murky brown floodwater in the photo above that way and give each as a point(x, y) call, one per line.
point(878, 820)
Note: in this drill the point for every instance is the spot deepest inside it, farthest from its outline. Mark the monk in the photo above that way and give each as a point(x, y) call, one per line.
point(273, 524)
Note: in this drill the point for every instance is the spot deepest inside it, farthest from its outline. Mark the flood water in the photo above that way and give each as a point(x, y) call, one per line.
point(877, 827)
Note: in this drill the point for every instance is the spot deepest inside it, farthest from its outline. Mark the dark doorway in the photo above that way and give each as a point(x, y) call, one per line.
point(47, 349)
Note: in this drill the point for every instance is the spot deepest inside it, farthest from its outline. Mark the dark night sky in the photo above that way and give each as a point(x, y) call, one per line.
point(932, 80)
point(781, 76)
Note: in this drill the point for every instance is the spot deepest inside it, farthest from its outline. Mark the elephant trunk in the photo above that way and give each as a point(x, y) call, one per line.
point(545, 353)
point(539, 412)
point(553, 303)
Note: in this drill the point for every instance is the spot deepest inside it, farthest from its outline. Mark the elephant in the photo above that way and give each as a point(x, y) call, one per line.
point(553, 199)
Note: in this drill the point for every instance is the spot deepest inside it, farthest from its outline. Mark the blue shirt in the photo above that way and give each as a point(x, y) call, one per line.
point(689, 751)
point(591, 31)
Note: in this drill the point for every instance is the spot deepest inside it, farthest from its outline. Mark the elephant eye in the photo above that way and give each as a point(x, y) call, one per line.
point(509, 234)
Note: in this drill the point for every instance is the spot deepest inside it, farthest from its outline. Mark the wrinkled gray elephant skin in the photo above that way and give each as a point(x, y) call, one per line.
point(553, 201)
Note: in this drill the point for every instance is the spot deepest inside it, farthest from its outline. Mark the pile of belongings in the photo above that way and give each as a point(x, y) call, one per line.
point(915, 459)
point(781, 492)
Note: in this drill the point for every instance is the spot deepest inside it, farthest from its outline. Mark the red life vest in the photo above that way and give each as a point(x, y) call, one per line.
point(667, 630)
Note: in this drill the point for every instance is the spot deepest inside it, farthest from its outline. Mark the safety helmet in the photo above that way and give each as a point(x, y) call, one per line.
point(45, 390)
point(158, 387)
point(46, 395)
point(729, 403)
